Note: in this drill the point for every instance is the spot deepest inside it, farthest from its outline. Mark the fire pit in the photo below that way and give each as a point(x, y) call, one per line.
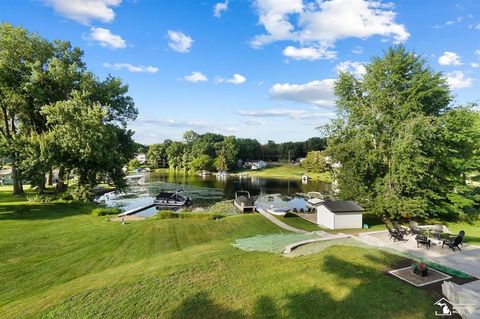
point(416, 278)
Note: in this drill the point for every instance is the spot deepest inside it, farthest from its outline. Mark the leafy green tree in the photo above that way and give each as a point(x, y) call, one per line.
point(86, 143)
point(157, 155)
point(249, 149)
point(190, 137)
point(203, 162)
point(315, 162)
point(175, 155)
point(19, 50)
point(227, 152)
point(403, 149)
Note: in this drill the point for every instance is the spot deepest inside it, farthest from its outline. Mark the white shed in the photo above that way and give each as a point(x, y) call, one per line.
point(340, 214)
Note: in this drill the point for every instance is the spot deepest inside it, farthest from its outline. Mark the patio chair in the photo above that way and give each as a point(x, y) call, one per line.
point(456, 242)
point(437, 231)
point(414, 229)
point(395, 234)
point(422, 240)
point(402, 230)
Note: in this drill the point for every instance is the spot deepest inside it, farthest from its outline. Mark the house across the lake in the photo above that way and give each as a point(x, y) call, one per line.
point(141, 158)
point(254, 165)
point(340, 214)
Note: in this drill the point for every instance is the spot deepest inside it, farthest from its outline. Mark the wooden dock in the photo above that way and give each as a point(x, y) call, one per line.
point(135, 210)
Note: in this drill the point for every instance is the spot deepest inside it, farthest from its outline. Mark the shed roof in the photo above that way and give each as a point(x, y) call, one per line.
point(342, 206)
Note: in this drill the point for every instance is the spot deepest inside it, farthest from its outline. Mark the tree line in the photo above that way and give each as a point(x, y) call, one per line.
point(212, 151)
point(56, 114)
point(405, 150)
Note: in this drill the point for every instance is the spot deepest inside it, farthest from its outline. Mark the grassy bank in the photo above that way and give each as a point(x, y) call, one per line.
point(289, 172)
point(56, 261)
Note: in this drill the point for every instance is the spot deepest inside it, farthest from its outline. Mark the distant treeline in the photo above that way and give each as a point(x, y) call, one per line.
point(212, 151)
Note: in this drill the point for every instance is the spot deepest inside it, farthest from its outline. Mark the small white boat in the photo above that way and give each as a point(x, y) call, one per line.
point(314, 200)
point(276, 211)
point(243, 201)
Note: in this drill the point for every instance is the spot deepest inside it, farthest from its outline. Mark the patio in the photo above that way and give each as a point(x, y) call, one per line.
point(467, 260)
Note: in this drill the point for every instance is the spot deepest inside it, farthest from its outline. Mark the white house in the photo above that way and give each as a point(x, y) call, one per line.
point(258, 165)
point(340, 214)
point(141, 158)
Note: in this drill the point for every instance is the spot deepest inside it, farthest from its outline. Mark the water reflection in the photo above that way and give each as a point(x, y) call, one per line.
point(206, 190)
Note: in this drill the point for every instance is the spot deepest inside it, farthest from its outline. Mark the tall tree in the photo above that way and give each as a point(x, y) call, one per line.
point(391, 137)
point(19, 50)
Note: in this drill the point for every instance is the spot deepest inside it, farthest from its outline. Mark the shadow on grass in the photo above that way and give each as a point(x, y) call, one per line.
point(41, 211)
point(201, 305)
point(374, 295)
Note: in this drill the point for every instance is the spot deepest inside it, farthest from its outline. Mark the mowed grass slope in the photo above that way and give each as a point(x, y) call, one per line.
point(289, 171)
point(58, 262)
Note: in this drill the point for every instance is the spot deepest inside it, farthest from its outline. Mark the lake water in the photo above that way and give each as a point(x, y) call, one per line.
point(206, 190)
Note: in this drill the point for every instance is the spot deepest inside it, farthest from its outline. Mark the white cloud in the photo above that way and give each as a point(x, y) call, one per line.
point(84, 11)
point(196, 77)
point(477, 52)
point(276, 112)
point(475, 65)
point(256, 122)
point(107, 39)
point(458, 80)
point(449, 58)
point(179, 41)
point(324, 22)
point(356, 68)
point(319, 93)
point(309, 53)
point(220, 7)
point(357, 50)
point(131, 68)
point(235, 79)
point(294, 114)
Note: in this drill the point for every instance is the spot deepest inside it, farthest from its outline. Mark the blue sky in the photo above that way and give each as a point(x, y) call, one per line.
point(252, 68)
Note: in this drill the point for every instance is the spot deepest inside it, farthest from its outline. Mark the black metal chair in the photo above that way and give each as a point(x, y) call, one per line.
point(422, 240)
point(395, 234)
point(456, 242)
point(399, 228)
point(414, 229)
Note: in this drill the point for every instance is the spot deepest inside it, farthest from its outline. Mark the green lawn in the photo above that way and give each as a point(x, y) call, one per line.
point(289, 172)
point(58, 262)
point(472, 231)
point(299, 223)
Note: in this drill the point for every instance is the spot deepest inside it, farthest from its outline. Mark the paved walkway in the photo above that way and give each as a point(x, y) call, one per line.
point(467, 260)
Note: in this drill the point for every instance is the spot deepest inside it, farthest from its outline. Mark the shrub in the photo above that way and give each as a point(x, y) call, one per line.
point(103, 211)
point(81, 193)
point(290, 214)
point(37, 198)
point(225, 207)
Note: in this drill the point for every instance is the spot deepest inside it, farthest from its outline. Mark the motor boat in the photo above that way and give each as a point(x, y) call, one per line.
point(172, 200)
point(276, 211)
